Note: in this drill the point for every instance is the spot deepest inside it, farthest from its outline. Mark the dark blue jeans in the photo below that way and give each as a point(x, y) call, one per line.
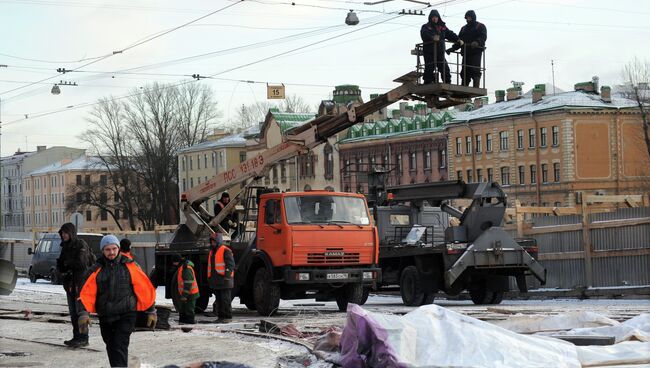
point(74, 317)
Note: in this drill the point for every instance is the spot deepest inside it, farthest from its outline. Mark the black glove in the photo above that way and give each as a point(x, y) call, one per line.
point(449, 50)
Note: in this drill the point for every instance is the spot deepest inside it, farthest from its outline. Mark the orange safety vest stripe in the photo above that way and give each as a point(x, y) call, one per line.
point(181, 282)
point(144, 291)
point(219, 261)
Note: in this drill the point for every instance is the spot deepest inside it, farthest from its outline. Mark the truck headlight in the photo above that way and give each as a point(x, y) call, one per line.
point(303, 276)
point(368, 275)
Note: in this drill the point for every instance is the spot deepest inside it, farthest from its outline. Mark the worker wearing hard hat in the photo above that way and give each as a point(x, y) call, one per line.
point(221, 272)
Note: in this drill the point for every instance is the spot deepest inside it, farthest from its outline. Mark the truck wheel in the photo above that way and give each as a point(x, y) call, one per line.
point(498, 297)
point(32, 276)
point(350, 293)
point(410, 287)
point(54, 278)
point(246, 298)
point(266, 294)
point(366, 294)
point(480, 294)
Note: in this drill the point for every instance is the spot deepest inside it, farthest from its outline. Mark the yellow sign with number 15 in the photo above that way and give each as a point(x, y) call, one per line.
point(275, 92)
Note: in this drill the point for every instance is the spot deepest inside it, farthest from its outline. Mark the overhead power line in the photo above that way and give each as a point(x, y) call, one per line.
point(136, 44)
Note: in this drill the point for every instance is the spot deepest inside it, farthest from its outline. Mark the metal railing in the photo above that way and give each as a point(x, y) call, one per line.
point(457, 69)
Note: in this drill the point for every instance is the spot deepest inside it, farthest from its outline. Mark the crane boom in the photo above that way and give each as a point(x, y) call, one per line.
point(312, 134)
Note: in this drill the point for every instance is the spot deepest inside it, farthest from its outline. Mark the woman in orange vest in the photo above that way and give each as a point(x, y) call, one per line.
point(188, 290)
point(221, 272)
point(116, 289)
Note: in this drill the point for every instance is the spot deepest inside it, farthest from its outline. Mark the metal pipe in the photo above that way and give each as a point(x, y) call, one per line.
point(452, 211)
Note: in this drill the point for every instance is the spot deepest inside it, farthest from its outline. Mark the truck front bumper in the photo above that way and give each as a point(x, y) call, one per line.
point(367, 275)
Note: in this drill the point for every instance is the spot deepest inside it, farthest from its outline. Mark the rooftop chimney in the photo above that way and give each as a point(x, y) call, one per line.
point(513, 93)
point(40, 148)
point(606, 94)
point(585, 86)
point(538, 92)
point(500, 95)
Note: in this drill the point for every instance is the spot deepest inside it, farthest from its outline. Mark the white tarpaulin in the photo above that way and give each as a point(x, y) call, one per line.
point(432, 336)
point(530, 323)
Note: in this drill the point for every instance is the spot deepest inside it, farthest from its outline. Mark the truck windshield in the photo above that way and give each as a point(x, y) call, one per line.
point(314, 209)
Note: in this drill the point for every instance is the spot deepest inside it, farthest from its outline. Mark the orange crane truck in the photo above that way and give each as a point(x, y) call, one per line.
point(313, 244)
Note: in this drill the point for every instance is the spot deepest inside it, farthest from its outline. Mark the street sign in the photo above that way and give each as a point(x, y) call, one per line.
point(275, 92)
point(78, 220)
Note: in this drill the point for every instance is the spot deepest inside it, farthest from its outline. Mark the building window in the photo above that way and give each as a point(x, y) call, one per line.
point(183, 163)
point(556, 172)
point(503, 141)
point(214, 159)
point(413, 164)
point(459, 144)
point(543, 132)
point(427, 160)
point(544, 173)
point(275, 174)
point(522, 175)
point(533, 174)
point(505, 175)
point(78, 180)
point(191, 182)
point(531, 138)
point(557, 204)
point(488, 142)
point(242, 156)
point(479, 175)
point(87, 179)
point(520, 139)
point(555, 131)
point(205, 160)
point(442, 154)
point(479, 143)
point(103, 180)
point(191, 163)
point(469, 175)
point(459, 175)
point(184, 185)
point(198, 180)
point(468, 145)
point(283, 172)
point(198, 162)
point(104, 215)
point(490, 175)
point(89, 215)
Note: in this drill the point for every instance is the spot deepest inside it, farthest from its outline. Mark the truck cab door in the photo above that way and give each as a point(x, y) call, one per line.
point(270, 234)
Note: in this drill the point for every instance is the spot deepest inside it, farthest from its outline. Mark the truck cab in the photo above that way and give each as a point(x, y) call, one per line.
point(317, 244)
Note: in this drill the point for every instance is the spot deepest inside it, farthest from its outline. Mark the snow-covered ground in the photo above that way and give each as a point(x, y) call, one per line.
point(209, 341)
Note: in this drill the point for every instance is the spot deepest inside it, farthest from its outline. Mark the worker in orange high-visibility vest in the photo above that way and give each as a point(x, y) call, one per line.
point(221, 272)
point(116, 290)
point(187, 289)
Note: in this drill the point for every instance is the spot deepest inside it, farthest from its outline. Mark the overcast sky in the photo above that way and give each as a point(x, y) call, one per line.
point(584, 38)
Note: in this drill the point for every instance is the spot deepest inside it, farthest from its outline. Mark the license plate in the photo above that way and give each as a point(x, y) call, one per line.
point(337, 276)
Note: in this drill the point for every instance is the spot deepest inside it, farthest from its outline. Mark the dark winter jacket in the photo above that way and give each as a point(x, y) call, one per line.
point(430, 30)
point(472, 32)
point(115, 294)
point(224, 223)
point(219, 282)
point(75, 259)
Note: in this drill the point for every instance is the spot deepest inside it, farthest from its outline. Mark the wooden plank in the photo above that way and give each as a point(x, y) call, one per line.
point(559, 256)
point(621, 198)
point(620, 223)
point(586, 245)
point(552, 229)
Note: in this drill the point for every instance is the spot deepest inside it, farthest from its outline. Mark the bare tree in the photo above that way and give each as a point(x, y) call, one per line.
point(137, 140)
point(197, 112)
point(636, 76)
point(295, 103)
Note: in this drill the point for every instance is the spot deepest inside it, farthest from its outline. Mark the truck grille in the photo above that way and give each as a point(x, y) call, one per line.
point(332, 256)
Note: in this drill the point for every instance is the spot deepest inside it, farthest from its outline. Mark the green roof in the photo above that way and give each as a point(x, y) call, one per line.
point(288, 120)
point(403, 126)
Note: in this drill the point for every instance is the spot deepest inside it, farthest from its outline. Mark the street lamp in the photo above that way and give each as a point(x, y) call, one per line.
point(56, 90)
point(351, 19)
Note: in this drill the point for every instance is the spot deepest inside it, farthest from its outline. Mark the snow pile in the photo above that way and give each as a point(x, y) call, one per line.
point(529, 323)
